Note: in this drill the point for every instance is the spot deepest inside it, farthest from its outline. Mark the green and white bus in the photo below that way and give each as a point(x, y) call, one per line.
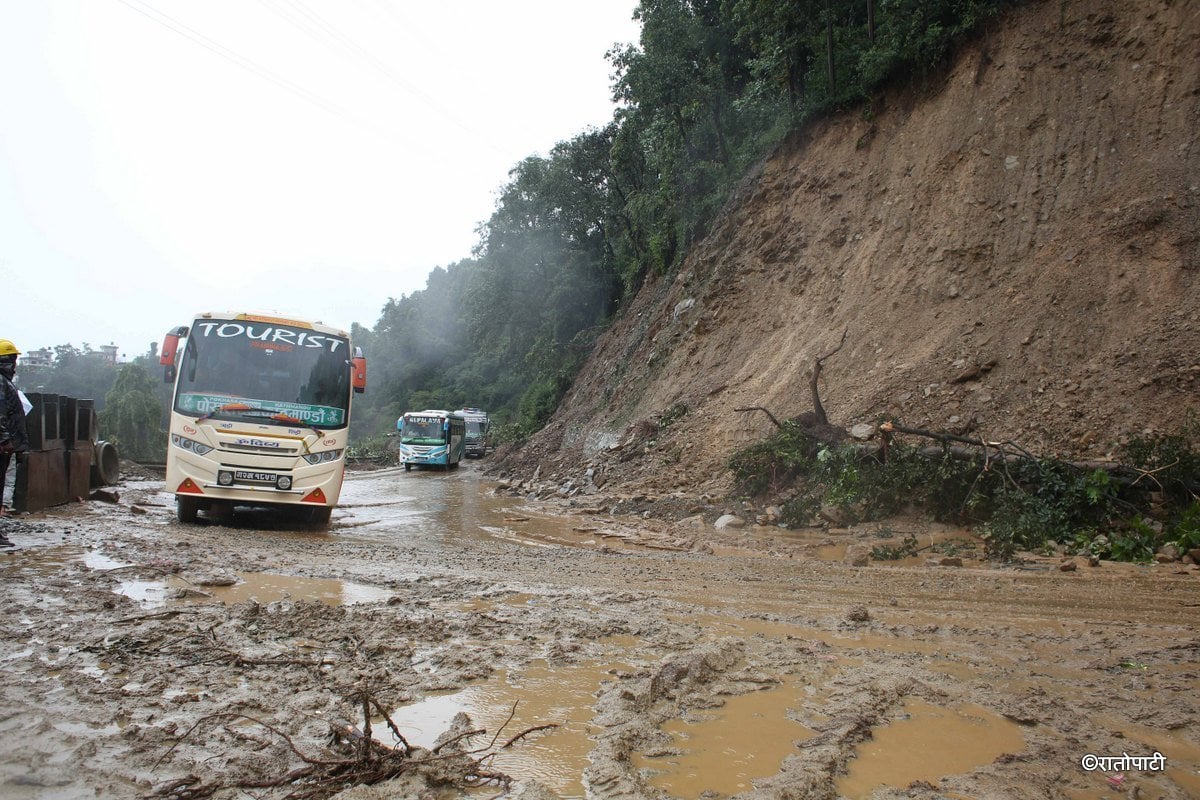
point(431, 438)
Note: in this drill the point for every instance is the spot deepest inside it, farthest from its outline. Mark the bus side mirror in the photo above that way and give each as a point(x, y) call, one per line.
point(358, 371)
point(166, 357)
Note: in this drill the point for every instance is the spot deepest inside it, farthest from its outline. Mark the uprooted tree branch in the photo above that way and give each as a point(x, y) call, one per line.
point(354, 758)
point(1019, 498)
point(815, 423)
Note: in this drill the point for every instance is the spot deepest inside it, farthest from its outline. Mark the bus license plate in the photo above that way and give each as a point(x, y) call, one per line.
point(255, 477)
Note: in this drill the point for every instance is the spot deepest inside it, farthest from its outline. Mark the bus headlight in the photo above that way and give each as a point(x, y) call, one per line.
point(190, 445)
point(225, 478)
point(283, 482)
point(322, 458)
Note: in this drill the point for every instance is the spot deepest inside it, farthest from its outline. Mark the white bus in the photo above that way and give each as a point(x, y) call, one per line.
point(260, 414)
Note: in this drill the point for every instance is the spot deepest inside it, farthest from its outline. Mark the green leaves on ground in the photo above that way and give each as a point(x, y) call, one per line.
point(1018, 502)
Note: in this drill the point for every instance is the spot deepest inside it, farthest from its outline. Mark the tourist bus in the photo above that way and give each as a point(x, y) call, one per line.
point(479, 431)
point(431, 438)
point(260, 413)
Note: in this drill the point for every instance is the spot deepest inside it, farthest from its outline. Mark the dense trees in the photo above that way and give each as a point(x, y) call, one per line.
point(130, 399)
point(133, 414)
point(709, 89)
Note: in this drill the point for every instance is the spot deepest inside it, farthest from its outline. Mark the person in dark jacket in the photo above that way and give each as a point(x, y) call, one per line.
point(14, 439)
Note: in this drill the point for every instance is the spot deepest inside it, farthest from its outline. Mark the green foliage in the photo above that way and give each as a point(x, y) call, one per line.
point(771, 464)
point(1137, 542)
point(132, 416)
point(906, 548)
point(1045, 501)
point(1171, 462)
point(1185, 530)
point(1018, 503)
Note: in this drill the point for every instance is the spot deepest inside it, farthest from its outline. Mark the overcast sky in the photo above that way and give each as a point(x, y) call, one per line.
point(308, 157)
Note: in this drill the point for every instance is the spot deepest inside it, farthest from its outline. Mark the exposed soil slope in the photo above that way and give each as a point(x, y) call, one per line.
point(1034, 212)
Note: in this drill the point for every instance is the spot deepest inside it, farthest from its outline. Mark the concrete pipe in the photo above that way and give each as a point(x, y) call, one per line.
point(106, 464)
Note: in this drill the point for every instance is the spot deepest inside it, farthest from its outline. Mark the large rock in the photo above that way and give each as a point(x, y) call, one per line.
point(729, 521)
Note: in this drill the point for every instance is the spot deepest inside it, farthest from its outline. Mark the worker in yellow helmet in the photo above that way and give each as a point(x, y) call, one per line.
point(13, 437)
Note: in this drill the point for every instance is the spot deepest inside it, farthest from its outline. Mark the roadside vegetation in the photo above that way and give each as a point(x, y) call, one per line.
point(709, 90)
point(131, 399)
point(1147, 503)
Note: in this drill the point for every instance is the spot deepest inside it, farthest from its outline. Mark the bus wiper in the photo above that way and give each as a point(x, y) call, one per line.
point(223, 409)
point(245, 409)
point(290, 420)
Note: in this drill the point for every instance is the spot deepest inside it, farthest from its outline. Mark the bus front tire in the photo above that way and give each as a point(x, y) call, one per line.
point(407, 467)
point(186, 509)
point(319, 517)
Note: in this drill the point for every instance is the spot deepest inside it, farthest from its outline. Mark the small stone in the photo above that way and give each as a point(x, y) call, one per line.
point(1068, 566)
point(857, 555)
point(863, 431)
point(858, 614)
point(729, 521)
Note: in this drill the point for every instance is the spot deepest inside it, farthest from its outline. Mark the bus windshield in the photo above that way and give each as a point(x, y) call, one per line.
point(264, 372)
point(422, 430)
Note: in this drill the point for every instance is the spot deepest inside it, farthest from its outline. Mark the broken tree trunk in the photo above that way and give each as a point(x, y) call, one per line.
point(815, 423)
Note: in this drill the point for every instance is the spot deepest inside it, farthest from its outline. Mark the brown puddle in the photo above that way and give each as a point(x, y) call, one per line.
point(725, 749)
point(562, 695)
point(266, 587)
point(261, 587)
point(929, 743)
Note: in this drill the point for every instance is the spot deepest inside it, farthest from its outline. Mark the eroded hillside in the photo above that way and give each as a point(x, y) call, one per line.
point(1011, 250)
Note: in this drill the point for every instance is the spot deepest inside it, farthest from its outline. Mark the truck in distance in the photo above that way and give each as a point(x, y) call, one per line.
point(479, 431)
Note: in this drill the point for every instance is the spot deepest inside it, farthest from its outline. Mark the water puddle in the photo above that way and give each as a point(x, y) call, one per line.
point(260, 587)
point(266, 587)
point(927, 743)
point(48, 561)
point(542, 695)
point(724, 750)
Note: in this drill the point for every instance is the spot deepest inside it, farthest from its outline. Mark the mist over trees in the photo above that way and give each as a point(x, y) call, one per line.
point(711, 87)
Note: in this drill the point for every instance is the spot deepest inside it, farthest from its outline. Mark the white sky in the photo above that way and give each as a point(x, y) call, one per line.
point(309, 157)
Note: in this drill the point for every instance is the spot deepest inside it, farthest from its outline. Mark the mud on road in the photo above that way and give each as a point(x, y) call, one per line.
point(142, 657)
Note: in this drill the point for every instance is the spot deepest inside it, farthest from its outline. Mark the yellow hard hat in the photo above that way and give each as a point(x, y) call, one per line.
point(7, 348)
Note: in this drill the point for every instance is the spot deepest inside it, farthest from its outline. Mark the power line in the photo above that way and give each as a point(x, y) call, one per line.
point(250, 65)
point(319, 28)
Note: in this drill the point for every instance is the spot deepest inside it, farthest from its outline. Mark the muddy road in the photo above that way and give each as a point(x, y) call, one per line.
point(144, 658)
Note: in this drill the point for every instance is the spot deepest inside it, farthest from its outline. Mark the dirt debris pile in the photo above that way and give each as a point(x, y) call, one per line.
point(1012, 251)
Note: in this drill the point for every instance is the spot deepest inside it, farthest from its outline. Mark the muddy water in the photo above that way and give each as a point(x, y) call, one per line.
point(925, 742)
point(511, 702)
point(725, 749)
point(440, 507)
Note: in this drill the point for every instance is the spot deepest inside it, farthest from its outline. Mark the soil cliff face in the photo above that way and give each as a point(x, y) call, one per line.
point(1012, 252)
